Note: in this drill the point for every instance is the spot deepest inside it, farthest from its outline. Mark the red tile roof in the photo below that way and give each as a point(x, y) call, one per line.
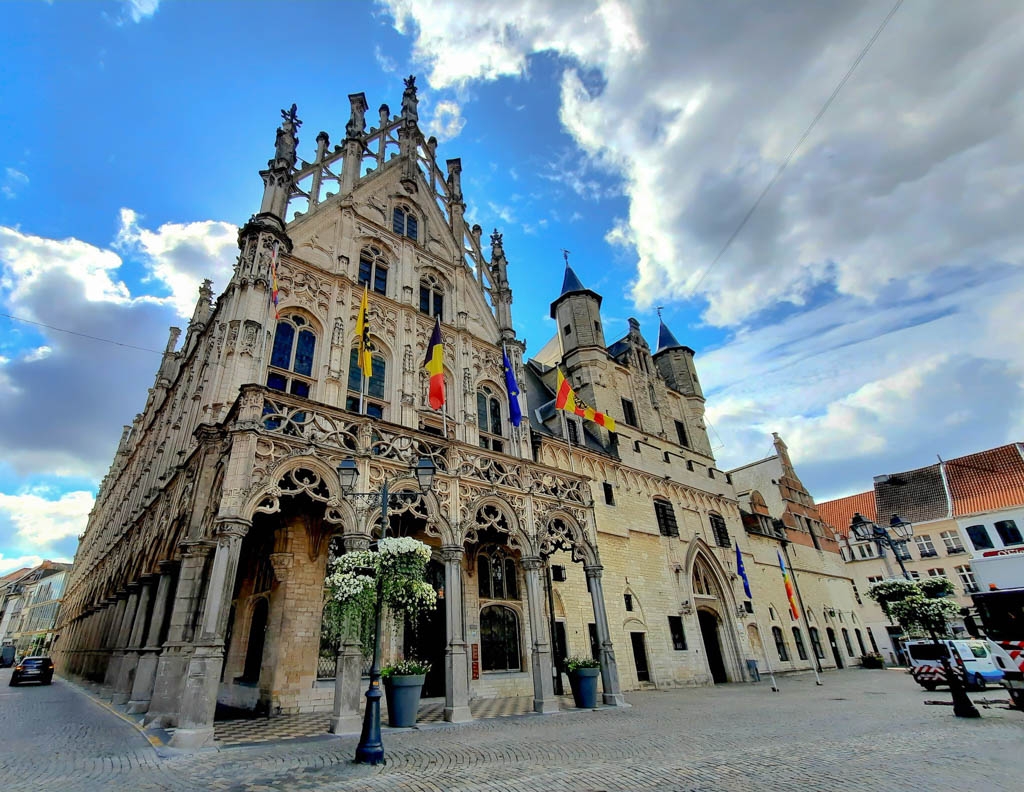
point(838, 513)
point(986, 481)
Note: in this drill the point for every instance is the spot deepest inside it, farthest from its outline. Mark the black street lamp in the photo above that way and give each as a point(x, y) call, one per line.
point(371, 749)
point(867, 531)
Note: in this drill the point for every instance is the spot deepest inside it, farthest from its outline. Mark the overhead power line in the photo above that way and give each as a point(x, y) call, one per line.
point(81, 335)
point(799, 143)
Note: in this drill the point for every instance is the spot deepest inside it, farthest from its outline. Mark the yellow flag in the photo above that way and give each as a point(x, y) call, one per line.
point(365, 359)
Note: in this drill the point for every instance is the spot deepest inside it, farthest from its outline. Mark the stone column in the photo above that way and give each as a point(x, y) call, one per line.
point(145, 671)
point(348, 668)
point(609, 669)
point(110, 643)
point(543, 685)
point(122, 635)
point(173, 662)
point(199, 697)
point(456, 668)
point(130, 659)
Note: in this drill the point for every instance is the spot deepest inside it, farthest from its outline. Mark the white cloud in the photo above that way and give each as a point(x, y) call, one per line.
point(74, 285)
point(141, 9)
point(385, 62)
point(8, 565)
point(695, 108)
point(180, 255)
point(40, 521)
point(446, 121)
point(13, 181)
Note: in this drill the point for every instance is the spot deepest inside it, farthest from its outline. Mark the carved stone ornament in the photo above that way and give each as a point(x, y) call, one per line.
point(282, 565)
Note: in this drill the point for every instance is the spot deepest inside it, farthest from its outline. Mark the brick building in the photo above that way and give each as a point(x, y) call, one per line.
point(199, 579)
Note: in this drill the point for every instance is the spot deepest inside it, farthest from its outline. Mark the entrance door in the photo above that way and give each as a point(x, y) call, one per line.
point(643, 674)
point(561, 652)
point(257, 636)
point(427, 639)
point(835, 647)
point(709, 631)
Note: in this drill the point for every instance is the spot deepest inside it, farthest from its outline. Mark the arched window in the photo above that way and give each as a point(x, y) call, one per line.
point(497, 575)
point(488, 416)
point(373, 269)
point(721, 533)
point(860, 642)
point(499, 639)
point(431, 297)
point(798, 639)
point(816, 643)
point(780, 644)
point(404, 222)
point(846, 640)
point(373, 403)
point(291, 358)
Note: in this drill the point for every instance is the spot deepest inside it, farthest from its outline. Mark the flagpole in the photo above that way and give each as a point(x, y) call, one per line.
point(767, 655)
point(568, 442)
point(800, 600)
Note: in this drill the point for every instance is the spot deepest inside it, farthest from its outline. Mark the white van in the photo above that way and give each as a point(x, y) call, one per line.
point(972, 658)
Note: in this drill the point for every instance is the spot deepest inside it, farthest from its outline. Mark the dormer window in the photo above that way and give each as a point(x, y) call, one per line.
point(431, 297)
point(373, 269)
point(404, 223)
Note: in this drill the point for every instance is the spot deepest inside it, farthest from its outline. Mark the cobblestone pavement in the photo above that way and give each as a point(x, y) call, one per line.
point(860, 730)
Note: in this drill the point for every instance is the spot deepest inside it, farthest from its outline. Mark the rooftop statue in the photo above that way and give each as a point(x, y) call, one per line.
point(409, 101)
point(287, 138)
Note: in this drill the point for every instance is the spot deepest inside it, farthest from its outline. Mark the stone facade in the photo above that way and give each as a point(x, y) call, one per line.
point(199, 579)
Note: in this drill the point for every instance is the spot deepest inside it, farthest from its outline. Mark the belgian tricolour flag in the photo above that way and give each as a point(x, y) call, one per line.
point(434, 364)
point(566, 399)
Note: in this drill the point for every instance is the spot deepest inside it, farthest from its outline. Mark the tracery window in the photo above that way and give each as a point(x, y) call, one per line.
point(496, 571)
point(291, 357)
point(666, 516)
point(798, 639)
point(431, 297)
point(373, 269)
point(499, 639)
point(488, 416)
point(373, 403)
point(780, 644)
point(404, 222)
point(719, 529)
point(816, 643)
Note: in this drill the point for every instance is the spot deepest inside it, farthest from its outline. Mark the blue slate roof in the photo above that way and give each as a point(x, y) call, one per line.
point(666, 340)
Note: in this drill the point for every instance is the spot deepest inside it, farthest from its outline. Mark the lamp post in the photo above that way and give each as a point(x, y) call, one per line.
point(370, 749)
point(867, 531)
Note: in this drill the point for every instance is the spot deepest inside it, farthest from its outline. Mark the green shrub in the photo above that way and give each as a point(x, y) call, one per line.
point(405, 668)
point(572, 663)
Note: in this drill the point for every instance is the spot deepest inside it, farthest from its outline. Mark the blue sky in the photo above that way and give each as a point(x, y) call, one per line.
point(868, 311)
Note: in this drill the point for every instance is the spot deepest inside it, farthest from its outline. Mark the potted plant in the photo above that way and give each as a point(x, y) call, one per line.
point(403, 682)
point(872, 660)
point(583, 673)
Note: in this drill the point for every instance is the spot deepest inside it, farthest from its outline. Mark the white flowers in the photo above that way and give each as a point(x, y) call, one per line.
point(402, 545)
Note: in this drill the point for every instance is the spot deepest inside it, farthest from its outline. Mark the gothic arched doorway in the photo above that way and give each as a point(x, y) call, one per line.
point(712, 645)
point(257, 638)
point(426, 637)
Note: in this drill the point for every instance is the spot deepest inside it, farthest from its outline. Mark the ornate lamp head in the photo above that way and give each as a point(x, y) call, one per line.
point(348, 472)
point(425, 470)
point(900, 527)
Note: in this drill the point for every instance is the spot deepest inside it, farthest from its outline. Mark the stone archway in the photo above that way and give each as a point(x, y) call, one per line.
point(713, 598)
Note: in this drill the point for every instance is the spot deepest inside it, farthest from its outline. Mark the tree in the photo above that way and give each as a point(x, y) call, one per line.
point(923, 608)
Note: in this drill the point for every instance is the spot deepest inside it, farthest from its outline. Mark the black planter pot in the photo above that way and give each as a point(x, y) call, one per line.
point(583, 682)
point(402, 694)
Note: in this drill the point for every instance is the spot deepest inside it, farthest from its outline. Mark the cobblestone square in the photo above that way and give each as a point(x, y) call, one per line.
point(860, 730)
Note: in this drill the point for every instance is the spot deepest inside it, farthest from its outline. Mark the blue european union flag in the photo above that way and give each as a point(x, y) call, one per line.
point(515, 414)
point(742, 572)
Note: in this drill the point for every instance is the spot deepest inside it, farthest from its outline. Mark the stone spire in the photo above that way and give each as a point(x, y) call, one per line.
point(666, 339)
point(501, 293)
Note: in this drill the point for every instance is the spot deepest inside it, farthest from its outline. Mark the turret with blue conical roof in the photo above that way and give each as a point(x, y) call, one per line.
point(577, 311)
point(675, 363)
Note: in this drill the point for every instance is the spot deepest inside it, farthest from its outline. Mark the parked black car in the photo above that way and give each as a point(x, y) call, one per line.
point(33, 669)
